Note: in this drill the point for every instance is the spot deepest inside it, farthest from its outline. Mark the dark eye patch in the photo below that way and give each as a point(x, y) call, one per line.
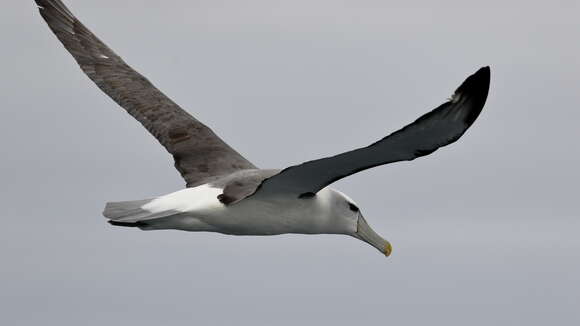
point(353, 207)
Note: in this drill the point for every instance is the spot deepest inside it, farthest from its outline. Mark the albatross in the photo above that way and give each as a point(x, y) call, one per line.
point(224, 191)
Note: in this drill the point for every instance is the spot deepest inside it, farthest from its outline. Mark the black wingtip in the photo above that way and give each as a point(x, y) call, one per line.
point(476, 83)
point(476, 88)
point(57, 5)
point(39, 5)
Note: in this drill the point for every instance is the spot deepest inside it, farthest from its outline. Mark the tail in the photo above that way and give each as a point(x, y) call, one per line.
point(132, 213)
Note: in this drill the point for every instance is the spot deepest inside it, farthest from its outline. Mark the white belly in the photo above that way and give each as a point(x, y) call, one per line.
point(198, 209)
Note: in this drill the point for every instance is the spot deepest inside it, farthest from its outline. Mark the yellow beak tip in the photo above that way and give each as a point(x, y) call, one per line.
point(388, 250)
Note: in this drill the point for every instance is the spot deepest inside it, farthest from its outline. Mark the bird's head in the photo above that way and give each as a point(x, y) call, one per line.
point(346, 212)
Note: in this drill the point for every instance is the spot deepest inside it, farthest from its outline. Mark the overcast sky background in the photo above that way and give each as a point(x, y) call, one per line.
point(485, 231)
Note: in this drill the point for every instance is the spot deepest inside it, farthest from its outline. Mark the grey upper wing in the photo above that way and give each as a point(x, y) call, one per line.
point(438, 128)
point(199, 154)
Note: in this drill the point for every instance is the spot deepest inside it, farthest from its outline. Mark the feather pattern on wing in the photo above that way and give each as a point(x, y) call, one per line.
point(198, 152)
point(438, 128)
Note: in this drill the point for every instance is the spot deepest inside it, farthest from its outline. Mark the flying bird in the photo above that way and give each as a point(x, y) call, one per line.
point(224, 191)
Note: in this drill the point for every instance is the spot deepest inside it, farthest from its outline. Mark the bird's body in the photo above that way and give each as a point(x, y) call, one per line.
point(199, 209)
point(225, 192)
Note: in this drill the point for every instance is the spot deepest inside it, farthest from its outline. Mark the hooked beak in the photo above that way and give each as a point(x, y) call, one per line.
point(366, 234)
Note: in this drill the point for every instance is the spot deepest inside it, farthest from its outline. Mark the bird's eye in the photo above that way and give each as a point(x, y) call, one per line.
point(353, 207)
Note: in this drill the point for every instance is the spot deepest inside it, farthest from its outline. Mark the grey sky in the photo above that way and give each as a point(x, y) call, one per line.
point(484, 231)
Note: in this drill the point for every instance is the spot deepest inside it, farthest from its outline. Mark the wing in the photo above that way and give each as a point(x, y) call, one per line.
point(440, 127)
point(198, 153)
